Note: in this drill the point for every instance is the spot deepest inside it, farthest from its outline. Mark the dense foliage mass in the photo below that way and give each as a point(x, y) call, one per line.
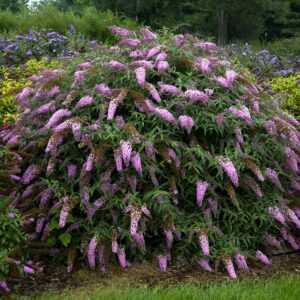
point(223, 19)
point(13, 80)
point(278, 75)
point(288, 88)
point(88, 21)
point(155, 147)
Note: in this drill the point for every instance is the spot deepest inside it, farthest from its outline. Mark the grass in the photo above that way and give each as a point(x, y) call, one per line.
point(282, 288)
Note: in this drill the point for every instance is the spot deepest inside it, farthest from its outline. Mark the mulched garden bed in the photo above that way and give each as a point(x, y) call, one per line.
point(147, 275)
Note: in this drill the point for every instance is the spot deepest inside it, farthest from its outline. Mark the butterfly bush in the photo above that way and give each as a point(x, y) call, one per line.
point(159, 138)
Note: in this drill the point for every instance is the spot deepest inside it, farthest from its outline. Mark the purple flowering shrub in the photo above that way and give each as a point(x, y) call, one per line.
point(40, 44)
point(264, 64)
point(155, 148)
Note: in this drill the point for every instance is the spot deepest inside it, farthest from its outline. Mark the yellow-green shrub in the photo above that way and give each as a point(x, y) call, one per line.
point(13, 80)
point(289, 90)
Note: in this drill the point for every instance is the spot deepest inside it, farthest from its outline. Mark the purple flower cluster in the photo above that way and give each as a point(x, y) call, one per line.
point(227, 81)
point(201, 188)
point(230, 268)
point(91, 252)
point(84, 101)
point(162, 263)
point(204, 264)
point(229, 169)
point(242, 113)
point(203, 242)
point(147, 34)
point(241, 262)
point(272, 175)
point(195, 96)
point(262, 258)
point(276, 214)
point(120, 31)
point(30, 174)
point(186, 122)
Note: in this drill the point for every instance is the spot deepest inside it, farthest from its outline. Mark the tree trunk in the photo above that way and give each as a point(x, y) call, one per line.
point(222, 26)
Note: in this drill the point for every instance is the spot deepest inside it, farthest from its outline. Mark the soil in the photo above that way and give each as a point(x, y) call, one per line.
point(146, 275)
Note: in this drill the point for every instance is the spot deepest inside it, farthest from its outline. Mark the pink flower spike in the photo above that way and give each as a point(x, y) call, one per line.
point(203, 242)
point(166, 115)
point(272, 241)
point(28, 270)
point(292, 159)
point(169, 238)
point(204, 264)
point(240, 261)
point(152, 90)
point(103, 89)
point(230, 76)
point(131, 43)
point(153, 51)
point(147, 34)
point(84, 65)
point(186, 122)
point(120, 31)
point(118, 160)
point(145, 211)
point(87, 100)
point(229, 169)
point(162, 263)
point(64, 213)
point(206, 46)
point(76, 127)
point(122, 258)
point(242, 113)
point(113, 105)
point(143, 63)
point(169, 89)
point(114, 246)
point(57, 116)
point(276, 214)
point(201, 188)
point(162, 67)
point(139, 53)
point(203, 64)
point(161, 57)
point(271, 174)
point(4, 286)
point(135, 216)
point(126, 148)
point(90, 162)
point(115, 65)
point(137, 163)
point(30, 174)
point(263, 258)
point(91, 252)
point(195, 96)
point(230, 268)
point(293, 217)
point(140, 74)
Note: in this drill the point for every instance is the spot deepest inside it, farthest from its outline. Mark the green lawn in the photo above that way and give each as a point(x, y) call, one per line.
point(283, 288)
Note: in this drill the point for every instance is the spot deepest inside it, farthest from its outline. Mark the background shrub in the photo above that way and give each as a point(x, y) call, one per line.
point(288, 89)
point(13, 80)
point(91, 22)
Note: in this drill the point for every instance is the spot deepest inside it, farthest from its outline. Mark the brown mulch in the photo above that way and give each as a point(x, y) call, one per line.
point(147, 275)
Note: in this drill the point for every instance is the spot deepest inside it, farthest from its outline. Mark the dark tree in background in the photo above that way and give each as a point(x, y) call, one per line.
point(226, 20)
point(13, 5)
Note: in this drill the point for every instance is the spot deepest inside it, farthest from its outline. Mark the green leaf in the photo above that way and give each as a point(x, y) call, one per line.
point(54, 224)
point(51, 241)
point(65, 239)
